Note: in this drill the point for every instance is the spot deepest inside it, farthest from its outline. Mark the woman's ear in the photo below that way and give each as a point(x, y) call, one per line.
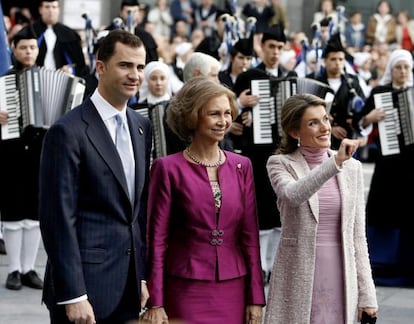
point(294, 134)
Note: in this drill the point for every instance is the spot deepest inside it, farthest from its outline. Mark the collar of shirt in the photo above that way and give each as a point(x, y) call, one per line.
point(105, 109)
point(107, 112)
point(274, 72)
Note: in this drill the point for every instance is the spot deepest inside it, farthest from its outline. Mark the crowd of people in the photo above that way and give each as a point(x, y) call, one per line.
point(200, 199)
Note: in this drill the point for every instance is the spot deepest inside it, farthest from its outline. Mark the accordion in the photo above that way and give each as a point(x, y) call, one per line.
point(273, 93)
point(41, 97)
point(155, 113)
point(397, 129)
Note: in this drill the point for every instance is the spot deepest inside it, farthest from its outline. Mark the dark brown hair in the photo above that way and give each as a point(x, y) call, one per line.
point(107, 46)
point(291, 118)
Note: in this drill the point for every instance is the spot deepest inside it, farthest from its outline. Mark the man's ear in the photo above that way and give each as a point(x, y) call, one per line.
point(99, 66)
point(197, 72)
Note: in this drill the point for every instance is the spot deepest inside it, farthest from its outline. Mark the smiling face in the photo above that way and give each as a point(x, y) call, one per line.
point(121, 76)
point(214, 120)
point(315, 128)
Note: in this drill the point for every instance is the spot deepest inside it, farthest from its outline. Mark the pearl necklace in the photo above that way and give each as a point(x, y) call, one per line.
point(197, 160)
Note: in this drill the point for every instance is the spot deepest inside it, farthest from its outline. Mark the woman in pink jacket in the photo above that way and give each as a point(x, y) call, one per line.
point(322, 272)
point(203, 238)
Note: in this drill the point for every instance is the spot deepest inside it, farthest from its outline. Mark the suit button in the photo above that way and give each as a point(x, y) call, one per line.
point(219, 241)
point(213, 242)
point(215, 233)
point(129, 251)
point(220, 232)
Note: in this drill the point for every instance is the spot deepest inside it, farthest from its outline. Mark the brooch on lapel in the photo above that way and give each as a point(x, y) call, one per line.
point(141, 131)
point(238, 165)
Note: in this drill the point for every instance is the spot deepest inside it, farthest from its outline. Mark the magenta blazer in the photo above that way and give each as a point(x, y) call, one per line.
point(185, 238)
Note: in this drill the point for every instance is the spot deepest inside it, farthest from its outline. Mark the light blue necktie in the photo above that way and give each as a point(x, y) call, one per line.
point(122, 142)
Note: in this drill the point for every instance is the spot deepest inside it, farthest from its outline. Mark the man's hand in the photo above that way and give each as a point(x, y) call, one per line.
point(4, 116)
point(236, 129)
point(339, 132)
point(80, 312)
point(248, 100)
point(374, 116)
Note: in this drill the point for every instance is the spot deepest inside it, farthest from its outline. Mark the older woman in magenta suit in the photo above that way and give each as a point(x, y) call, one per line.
point(204, 254)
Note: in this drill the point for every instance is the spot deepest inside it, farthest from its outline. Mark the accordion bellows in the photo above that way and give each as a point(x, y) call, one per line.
point(42, 96)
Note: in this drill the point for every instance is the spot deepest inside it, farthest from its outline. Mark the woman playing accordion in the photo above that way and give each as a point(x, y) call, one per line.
point(390, 238)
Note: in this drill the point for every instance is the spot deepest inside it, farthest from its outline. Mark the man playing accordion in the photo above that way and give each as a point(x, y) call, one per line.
point(19, 189)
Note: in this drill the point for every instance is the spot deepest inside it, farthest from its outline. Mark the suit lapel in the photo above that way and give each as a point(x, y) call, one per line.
point(101, 139)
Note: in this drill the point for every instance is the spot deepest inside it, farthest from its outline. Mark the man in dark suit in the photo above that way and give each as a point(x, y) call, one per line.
point(92, 218)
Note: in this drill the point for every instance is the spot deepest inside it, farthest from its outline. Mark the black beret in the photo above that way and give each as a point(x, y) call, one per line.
point(244, 46)
point(275, 32)
point(24, 33)
point(19, 18)
point(334, 44)
point(244, 80)
point(325, 21)
point(129, 3)
point(221, 12)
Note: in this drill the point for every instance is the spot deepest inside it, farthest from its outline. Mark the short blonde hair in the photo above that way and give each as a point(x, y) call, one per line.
point(184, 108)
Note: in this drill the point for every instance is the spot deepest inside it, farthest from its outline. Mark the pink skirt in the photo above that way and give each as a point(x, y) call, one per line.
point(191, 301)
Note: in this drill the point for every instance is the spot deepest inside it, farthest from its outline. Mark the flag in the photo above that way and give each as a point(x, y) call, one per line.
point(5, 59)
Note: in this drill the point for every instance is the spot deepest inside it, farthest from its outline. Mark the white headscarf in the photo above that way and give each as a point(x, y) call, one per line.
point(396, 56)
point(361, 57)
point(145, 93)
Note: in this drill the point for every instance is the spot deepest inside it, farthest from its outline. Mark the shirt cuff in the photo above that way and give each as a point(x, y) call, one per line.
point(74, 300)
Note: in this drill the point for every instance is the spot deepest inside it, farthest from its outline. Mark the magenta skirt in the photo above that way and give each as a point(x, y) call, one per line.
point(191, 301)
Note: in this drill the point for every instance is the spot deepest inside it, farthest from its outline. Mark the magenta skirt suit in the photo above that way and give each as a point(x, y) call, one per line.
point(204, 255)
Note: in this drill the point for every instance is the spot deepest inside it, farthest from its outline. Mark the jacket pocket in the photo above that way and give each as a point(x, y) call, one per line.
point(93, 255)
point(289, 241)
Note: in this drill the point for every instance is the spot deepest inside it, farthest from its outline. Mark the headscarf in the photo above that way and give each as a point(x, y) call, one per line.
point(361, 57)
point(396, 56)
point(145, 93)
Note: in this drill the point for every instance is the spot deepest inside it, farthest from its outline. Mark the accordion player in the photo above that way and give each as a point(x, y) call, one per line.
point(396, 131)
point(155, 113)
point(273, 94)
point(41, 97)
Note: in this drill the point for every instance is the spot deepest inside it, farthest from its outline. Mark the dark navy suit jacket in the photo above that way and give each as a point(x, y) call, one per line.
point(90, 230)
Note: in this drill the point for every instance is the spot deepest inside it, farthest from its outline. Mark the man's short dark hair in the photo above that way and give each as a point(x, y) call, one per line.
point(107, 46)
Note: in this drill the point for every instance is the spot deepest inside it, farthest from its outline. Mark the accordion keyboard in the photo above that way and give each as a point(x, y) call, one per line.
point(389, 127)
point(9, 102)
